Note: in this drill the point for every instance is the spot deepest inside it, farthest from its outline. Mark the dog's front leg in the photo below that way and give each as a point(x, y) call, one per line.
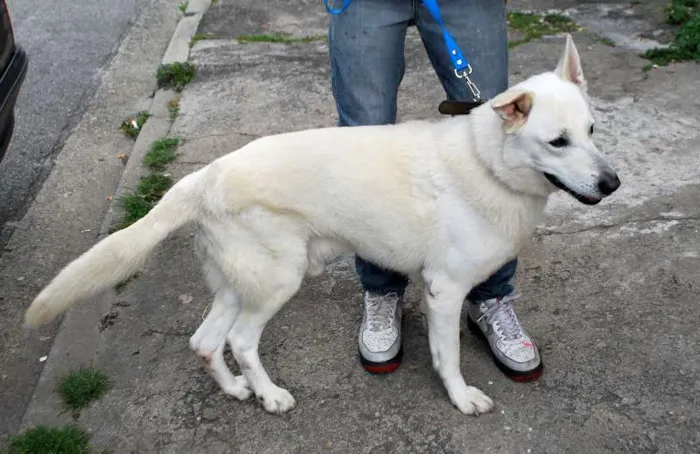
point(444, 299)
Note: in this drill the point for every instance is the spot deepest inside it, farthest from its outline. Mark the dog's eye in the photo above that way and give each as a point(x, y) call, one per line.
point(559, 142)
point(591, 130)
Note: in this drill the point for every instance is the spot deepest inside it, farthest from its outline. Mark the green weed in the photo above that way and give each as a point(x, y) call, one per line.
point(50, 440)
point(535, 26)
point(176, 75)
point(162, 153)
point(132, 125)
point(284, 38)
point(83, 386)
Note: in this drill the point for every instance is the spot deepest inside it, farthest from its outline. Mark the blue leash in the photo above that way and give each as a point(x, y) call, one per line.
point(460, 63)
point(335, 11)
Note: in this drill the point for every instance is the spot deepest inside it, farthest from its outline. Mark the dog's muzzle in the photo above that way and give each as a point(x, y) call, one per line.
point(607, 184)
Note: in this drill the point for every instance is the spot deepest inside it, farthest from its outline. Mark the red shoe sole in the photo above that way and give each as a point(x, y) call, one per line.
point(386, 367)
point(515, 375)
point(522, 376)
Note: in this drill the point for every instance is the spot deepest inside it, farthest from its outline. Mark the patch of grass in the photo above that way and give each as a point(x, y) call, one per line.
point(50, 440)
point(606, 41)
point(152, 187)
point(149, 191)
point(83, 386)
point(664, 56)
point(162, 153)
point(132, 125)
point(686, 45)
point(173, 108)
point(135, 207)
point(560, 22)
point(515, 43)
point(284, 38)
point(176, 75)
point(535, 26)
point(679, 12)
point(183, 7)
point(199, 37)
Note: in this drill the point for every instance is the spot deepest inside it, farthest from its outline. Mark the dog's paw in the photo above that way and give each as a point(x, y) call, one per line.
point(470, 400)
point(276, 400)
point(238, 388)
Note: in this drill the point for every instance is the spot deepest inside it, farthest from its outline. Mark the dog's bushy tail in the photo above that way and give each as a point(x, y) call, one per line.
point(118, 256)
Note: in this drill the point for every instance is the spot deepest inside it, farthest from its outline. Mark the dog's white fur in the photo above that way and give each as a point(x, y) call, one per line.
point(451, 200)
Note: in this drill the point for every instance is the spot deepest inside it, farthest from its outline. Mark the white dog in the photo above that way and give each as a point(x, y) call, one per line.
point(451, 200)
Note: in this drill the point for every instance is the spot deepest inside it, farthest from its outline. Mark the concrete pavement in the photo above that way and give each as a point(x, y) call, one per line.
point(609, 292)
point(67, 212)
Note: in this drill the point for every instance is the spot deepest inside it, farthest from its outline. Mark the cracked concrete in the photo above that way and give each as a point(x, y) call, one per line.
point(609, 293)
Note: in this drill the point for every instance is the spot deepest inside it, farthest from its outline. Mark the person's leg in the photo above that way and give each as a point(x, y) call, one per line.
point(497, 285)
point(366, 44)
point(479, 27)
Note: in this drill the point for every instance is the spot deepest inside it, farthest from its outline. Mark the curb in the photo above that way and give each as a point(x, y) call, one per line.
point(158, 124)
point(68, 350)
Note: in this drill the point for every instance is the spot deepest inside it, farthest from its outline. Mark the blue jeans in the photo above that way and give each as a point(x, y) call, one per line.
point(367, 65)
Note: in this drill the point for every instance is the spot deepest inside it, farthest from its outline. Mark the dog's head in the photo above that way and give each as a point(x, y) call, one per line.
point(549, 127)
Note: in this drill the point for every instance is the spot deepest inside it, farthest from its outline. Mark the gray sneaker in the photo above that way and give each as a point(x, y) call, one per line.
point(379, 339)
point(513, 350)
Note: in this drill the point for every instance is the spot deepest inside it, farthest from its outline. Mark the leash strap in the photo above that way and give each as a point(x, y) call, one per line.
point(460, 63)
point(343, 6)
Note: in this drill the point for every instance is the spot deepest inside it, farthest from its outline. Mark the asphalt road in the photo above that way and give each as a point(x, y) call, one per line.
point(68, 45)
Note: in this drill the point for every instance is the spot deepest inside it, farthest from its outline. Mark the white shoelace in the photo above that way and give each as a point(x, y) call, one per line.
point(380, 312)
point(501, 311)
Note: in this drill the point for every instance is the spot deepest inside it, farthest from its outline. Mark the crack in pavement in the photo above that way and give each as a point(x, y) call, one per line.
point(244, 134)
point(554, 231)
point(173, 333)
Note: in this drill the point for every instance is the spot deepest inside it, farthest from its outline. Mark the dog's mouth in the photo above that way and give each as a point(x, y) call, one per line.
point(580, 197)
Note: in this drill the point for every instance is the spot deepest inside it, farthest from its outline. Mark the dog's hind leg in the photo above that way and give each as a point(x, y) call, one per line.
point(224, 311)
point(444, 299)
point(209, 341)
point(233, 385)
point(212, 332)
point(264, 257)
point(226, 305)
point(245, 340)
point(286, 275)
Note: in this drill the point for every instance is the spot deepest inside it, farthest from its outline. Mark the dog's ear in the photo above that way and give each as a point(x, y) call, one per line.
point(513, 106)
point(569, 66)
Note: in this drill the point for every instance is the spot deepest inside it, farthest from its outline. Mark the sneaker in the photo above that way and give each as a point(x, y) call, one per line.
point(513, 350)
point(380, 333)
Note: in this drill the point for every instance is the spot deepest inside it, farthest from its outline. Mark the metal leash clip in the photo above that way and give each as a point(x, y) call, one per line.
point(476, 93)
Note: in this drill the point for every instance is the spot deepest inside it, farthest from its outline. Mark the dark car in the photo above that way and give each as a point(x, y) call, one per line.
point(13, 67)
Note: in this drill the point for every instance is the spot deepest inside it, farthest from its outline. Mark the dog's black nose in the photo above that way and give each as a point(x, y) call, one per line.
point(608, 183)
